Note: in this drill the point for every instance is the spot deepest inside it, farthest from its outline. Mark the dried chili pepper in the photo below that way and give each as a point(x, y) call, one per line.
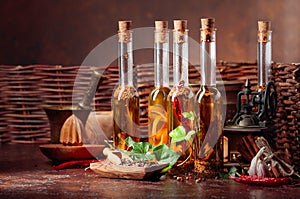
point(73, 163)
point(264, 181)
point(177, 109)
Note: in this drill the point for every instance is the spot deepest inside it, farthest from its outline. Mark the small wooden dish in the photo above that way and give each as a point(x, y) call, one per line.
point(108, 170)
point(61, 153)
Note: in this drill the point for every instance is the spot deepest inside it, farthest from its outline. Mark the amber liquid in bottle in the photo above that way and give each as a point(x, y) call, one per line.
point(209, 142)
point(181, 99)
point(157, 104)
point(125, 102)
point(157, 113)
point(126, 115)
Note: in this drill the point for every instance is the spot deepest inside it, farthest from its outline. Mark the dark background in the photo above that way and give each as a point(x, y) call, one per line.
point(65, 31)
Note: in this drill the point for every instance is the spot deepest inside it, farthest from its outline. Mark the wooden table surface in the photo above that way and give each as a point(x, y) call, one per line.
point(26, 173)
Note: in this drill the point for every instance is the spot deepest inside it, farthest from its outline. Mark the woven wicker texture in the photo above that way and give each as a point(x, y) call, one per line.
point(287, 81)
point(25, 90)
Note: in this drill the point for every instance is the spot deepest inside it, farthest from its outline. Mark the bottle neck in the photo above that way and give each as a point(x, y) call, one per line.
point(264, 57)
point(125, 58)
point(208, 60)
point(180, 58)
point(161, 58)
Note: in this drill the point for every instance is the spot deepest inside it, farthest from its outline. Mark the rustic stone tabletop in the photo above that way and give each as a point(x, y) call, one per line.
point(26, 173)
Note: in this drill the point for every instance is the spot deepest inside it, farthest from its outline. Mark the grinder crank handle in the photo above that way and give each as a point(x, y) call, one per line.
point(270, 101)
point(90, 92)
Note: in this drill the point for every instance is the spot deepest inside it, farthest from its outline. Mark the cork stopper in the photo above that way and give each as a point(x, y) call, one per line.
point(160, 25)
point(208, 23)
point(124, 25)
point(180, 25)
point(161, 32)
point(124, 33)
point(264, 31)
point(264, 26)
point(207, 30)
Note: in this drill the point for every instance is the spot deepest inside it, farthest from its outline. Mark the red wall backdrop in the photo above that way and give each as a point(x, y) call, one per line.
point(65, 31)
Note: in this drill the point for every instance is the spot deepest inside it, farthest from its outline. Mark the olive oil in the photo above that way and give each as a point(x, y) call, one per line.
point(157, 113)
point(125, 101)
point(157, 104)
point(210, 112)
point(209, 142)
point(181, 101)
point(126, 115)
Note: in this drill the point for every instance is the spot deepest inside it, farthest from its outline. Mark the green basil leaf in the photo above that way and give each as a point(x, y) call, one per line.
point(140, 156)
point(189, 115)
point(178, 134)
point(189, 135)
point(224, 176)
point(129, 142)
point(140, 150)
point(164, 154)
point(232, 171)
point(140, 147)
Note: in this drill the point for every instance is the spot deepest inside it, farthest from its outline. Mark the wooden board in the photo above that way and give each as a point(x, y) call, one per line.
point(109, 170)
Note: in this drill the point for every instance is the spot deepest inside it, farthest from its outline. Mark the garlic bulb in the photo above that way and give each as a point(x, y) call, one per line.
point(258, 167)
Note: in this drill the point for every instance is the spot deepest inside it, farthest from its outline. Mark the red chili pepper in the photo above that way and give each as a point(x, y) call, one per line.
point(72, 163)
point(177, 109)
point(178, 113)
point(264, 181)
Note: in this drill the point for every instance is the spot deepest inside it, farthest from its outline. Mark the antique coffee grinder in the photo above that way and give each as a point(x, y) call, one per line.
point(255, 109)
point(256, 106)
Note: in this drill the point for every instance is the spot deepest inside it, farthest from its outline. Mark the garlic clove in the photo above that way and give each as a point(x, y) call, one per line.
point(113, 158)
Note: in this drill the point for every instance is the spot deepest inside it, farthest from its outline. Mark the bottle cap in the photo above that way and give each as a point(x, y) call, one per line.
point(180, 25)
point(124, 25)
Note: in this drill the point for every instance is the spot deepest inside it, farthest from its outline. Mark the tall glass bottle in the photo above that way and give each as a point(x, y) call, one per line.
point(181, 99)
point(208, 145)
point(157, 106)
point(266, 88)
point(125, 97)
point(264, 53)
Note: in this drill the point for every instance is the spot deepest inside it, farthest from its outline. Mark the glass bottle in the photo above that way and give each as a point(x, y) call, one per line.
point(266, 99)
point(125, 97)
point(264, 53)
point(181, 99)
point(157, 106)
point(208, 144)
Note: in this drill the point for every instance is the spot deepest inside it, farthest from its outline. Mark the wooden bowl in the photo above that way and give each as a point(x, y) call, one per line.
point(61, 153)
point(107, 170)
point(57, 115)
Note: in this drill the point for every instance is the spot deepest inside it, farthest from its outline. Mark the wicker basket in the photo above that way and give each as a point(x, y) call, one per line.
point(287, 81)
point(25, 90)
